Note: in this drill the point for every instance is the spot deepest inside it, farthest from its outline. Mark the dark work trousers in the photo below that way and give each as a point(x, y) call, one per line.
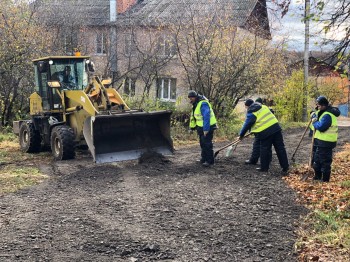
point(322, 163)
point(276, 140)
point(206, 143)
point(314, 148)
point(254, 157)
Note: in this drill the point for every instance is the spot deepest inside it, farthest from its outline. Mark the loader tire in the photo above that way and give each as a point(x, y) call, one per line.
point(29, 138)
point(62, 143)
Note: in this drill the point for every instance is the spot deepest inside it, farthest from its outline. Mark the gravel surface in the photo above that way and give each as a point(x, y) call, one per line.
point(156, 209)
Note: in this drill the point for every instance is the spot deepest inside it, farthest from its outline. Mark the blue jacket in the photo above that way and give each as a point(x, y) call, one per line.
point(324, 124)
point(205, 111)
point(251, 119)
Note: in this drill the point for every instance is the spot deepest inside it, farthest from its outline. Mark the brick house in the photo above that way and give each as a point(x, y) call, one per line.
point(141, 26)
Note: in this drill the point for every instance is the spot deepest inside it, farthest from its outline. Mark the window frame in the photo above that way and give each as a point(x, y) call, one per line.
point(130, 44)
point(68, 40)
point(161, 89)
point(100, 40)
point(166, 46)
point(129, 86)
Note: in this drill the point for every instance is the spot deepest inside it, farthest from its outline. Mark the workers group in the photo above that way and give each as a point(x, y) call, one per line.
point(261, 121)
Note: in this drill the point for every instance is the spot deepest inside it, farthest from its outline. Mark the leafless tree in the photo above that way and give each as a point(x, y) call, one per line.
point(21, 41)
point(221, 60)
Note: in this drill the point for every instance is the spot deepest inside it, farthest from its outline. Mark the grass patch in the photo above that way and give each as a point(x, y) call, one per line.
point(330, 228)
point(12, 176)
point(7, 137)
point(325, 233)
point(15, 178)
point(345, 184)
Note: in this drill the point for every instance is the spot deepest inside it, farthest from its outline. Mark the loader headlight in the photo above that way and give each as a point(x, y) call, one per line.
point(50, 62)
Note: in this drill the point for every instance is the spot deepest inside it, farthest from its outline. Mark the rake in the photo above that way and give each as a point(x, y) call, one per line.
point(310, 171)
point(301, 139)
point(235, 142)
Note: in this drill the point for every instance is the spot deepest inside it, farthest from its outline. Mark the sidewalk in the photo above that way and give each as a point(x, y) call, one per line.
point(343, 121)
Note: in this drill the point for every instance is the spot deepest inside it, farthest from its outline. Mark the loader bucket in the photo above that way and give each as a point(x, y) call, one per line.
point(126, 136)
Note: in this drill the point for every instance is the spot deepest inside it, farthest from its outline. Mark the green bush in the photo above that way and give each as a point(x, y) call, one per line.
point(229, 127)
point(6, 136)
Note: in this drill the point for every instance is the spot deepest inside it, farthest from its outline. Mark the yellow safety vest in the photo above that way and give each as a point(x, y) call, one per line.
point(197, 118)
point(264, 119)
point(331, 134)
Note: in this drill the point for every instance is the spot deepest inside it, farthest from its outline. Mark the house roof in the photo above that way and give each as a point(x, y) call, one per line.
point(84, 12)
point(239, 12)
point(168, 10)
point(153, 12)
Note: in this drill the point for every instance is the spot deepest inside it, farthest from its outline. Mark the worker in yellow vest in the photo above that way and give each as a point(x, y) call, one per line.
point(255, 155)
point(204, 121)
point(325, 125)
point(264, 125)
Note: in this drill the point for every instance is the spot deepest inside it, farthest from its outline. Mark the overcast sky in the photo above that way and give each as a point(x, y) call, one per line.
point(292, 29)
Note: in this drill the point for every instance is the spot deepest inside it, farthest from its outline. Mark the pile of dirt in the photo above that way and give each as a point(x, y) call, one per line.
point(156, 210)
point(152, 157)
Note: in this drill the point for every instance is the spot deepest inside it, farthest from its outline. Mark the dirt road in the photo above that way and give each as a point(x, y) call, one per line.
point(163, 209)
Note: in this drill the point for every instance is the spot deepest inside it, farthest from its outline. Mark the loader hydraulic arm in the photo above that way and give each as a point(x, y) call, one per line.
point(104, 92)
point(104, 98)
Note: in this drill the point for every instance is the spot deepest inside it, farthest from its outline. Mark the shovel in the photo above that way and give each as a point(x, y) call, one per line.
point(310, 171)
point(230, 150)
point(228, 145)
point(301, 139)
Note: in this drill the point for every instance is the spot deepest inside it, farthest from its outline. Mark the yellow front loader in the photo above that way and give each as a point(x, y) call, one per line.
point(69, 108)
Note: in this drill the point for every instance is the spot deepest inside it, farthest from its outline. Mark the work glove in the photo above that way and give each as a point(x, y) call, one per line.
point(313, 115)
point(205, 133)
point(190, 131)
point(241, 138)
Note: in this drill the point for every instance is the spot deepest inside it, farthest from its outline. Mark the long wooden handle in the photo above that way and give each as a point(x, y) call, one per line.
point(301, 139)
point(312, 149)
point(230, 144)
point(310, 171)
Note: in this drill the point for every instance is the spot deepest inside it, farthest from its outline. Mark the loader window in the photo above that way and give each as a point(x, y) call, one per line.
point(41, 88)
point(71, 75)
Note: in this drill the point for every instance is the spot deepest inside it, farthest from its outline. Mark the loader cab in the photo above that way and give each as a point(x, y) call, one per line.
point(70, 71)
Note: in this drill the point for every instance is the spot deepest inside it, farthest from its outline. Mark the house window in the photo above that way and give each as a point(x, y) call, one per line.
point(166, 46)
point(130, 44)
point(69, 40)
point(166, 89)
point(101, 43)
point(129, 86)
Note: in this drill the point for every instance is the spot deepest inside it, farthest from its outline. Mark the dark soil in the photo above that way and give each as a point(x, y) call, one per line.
point(156, 209)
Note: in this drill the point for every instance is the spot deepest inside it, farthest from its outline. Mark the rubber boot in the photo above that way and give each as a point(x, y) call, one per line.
point(318, 176)
point(326, 177)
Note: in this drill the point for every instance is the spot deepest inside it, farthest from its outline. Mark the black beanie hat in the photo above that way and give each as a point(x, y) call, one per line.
point(322, 101)
point(192, 93)
point(248, 102)
point(259, 100)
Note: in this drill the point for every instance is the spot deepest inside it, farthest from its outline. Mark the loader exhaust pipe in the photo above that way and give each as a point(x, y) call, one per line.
point(125, 136)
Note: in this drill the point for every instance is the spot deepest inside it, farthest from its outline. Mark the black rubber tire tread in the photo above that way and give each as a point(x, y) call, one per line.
point(29, 138)
point(64, 136)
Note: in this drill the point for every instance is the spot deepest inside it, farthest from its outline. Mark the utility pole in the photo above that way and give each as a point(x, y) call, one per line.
point(113, 39)
point(306, 58)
